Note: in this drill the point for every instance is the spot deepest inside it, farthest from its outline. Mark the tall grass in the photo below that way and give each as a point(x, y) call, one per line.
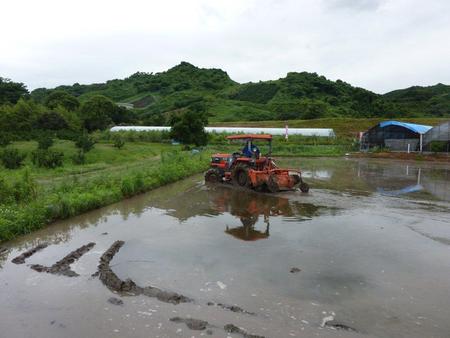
point(20, 215)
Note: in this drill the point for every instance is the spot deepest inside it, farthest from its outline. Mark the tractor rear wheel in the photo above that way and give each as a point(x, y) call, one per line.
point(272, 183)
point(212, 176)
point(240, 176)
point(304, 187)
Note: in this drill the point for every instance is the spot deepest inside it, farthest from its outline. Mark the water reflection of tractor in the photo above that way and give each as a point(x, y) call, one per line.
point(248, 208)
point(249, 169)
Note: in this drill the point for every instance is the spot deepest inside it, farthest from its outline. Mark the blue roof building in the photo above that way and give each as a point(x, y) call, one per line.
point(395, 135)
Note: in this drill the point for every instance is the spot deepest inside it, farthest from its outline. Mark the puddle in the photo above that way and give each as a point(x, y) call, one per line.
point(365, 253)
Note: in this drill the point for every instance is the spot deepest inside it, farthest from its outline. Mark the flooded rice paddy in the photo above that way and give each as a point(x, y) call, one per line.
point(365, 254)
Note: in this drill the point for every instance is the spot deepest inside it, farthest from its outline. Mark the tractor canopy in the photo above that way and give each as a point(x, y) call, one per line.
point(247, 137)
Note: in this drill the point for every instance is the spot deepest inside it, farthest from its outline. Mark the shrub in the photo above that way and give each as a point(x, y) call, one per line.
point(5, 140)
point(47, 158)
point(79, 157)
point(45, 142)
point(6, 191)
point(118, 142)
point(438, 146)
point(25, 189)
point(12, 158)
point(85, 143)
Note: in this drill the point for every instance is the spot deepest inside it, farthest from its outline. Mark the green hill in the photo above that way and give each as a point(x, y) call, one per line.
point(156, 96)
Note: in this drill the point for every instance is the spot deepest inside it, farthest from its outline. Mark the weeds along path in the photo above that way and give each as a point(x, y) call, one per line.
point(91, 173)
point(41, 203)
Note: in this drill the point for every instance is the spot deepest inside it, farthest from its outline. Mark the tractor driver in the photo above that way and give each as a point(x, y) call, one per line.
point(251, 150)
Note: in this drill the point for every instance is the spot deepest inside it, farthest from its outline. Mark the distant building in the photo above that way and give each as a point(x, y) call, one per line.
point(321, 132)
point(395, 135)
point(437, 139)
point(125, 105)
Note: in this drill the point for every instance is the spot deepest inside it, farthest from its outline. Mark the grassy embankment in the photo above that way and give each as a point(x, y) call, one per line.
point(31, 197)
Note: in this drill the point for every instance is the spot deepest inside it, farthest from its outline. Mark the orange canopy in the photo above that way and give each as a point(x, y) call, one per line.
point(250, 136)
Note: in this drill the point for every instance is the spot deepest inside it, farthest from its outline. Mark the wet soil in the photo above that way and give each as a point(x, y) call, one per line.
point(23, 256)
point(62, 267)
point(430, 157)
point(364, 254)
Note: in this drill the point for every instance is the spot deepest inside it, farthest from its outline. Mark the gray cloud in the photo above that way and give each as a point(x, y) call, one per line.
point(359, 5)
point(380, 45)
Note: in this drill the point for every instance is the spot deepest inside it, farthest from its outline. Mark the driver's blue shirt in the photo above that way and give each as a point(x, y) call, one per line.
point(250, 152)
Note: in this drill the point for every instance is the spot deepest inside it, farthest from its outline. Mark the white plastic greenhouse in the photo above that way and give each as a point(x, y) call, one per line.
point(324, 132)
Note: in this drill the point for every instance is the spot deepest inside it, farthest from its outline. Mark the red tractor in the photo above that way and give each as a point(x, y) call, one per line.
point(251, 170)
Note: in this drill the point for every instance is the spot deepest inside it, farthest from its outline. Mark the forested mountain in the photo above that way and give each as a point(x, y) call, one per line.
point(296, 96)
point(422, 101)
point(156, 97)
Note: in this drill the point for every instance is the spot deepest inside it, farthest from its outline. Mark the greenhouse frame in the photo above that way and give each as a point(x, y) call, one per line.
point(437, 139)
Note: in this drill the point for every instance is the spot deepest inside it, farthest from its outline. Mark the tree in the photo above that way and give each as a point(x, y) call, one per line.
point(20, 118)
point(85, 143)
point(122, 115)
point(45, 142)
point(313, 109)
point(11, 92)
point(63, 99)
point(96, 113)
point(51, 121)
point(189, 127)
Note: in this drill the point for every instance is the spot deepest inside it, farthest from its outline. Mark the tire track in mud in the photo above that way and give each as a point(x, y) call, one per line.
point(191, 323)
point(114, 283)
point(62, 267)
point(232, 308)
point(22, 257)
point(200, 325)
point(128, 286)
point(231, 328)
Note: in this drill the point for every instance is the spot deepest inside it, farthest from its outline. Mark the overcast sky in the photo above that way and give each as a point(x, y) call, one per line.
point(380, 45)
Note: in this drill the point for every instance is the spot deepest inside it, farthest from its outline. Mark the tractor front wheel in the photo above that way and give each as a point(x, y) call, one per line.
point(212, 176)
point(240, 176)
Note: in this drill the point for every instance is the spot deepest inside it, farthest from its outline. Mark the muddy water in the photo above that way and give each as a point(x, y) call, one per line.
point(365, 253)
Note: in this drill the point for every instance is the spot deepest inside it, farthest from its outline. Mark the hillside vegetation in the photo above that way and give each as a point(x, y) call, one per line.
point(157, 97)
point(347, 128)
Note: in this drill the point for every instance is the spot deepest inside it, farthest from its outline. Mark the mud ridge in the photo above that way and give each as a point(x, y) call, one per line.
point(193, 324)
point(233, 308)
point(23, 256)
point(340, 326)
point(62, 267)
point(115, 301)
point(230, 328)
point(115, 284)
